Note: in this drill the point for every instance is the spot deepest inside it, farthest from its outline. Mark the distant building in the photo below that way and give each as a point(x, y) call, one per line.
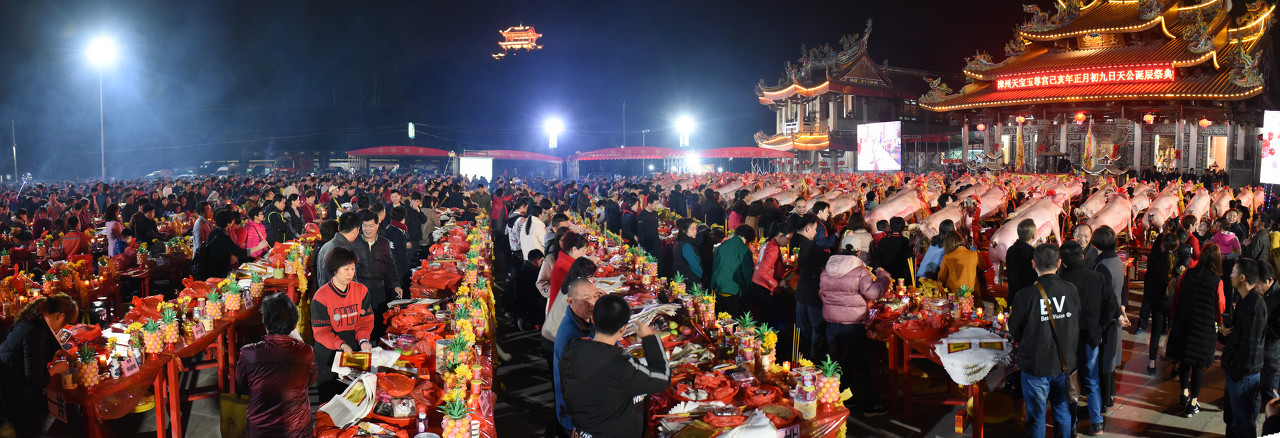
point(517, 38)
point(821, 100)
point(1123, 84)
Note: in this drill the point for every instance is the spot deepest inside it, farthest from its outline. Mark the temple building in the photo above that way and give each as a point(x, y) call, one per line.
point(821, 100)
point(1119, 85)
point(517, 38)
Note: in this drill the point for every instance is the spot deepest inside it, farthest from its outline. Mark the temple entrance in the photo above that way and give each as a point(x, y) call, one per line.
point(1164, 155)
point(1217, 146)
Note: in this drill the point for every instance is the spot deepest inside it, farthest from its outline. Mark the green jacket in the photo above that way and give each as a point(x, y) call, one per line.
point(732, 267)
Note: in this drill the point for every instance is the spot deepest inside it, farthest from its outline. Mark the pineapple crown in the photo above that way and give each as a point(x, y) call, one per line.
point(457, 344)
point(234, 288)
point(965, 291)
point(830, 368)
point(764, 329)
point(678, 278)
point(85, 354)
point(456, 409)
point(255, 277)
point(746, 321)
point(151, 326)
point(170, 315)
point(461, 312)
point(4, 253)
point(213, 297)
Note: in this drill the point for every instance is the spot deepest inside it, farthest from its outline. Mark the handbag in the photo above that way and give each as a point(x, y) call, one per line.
point(1053, 329)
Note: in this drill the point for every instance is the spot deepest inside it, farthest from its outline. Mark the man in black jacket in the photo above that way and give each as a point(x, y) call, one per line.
point(213, 258)
point(647, 227)
point(396, 232)
point(894, 250)
point(1095, 314)
point(630, 221)
point(1270, 377)
point(1018, 271)
point(1242, 355)
point(612, 214)
point(675, 201)
point(414, 218)
point(1046, 330)
point(277, 225)
point(811, 261)
point(603, 386)
point(376, 268)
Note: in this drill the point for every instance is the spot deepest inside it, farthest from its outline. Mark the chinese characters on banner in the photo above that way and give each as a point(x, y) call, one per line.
point(1090, 77)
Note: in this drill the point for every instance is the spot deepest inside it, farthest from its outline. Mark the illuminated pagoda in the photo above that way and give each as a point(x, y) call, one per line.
point(821, 100)
point(1139, 84)
point(517, 38)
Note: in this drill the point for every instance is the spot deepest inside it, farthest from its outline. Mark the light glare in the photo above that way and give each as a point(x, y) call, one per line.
point(102, 52)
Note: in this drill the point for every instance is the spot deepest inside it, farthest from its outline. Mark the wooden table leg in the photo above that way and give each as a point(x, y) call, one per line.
point(157, 391)
point(906, 379)
point(222, 361)
point(978, 415)
point(231, 357)
point(175, 402)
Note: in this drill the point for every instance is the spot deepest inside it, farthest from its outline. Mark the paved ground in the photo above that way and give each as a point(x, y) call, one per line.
point(1145, 407)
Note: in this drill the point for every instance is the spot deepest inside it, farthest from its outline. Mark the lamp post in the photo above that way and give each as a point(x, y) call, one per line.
point(684, 125)
point(642, 135)
point(102, 52)
point(553, 127)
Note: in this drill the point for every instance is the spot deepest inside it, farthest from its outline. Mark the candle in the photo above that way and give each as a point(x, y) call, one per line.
point(786, 366)
point(1000, 319)
point(979, 313)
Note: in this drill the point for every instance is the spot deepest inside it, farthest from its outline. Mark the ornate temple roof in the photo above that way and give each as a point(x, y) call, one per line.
point(1119, 50)
point(819, 70)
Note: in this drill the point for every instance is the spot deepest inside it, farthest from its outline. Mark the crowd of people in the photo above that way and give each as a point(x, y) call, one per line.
point(1207, 282)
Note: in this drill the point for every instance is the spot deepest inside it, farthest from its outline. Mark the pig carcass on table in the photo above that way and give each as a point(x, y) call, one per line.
point(764, 193)
point(929, 226)
point(1222, 201)
point(1199, 205)
point(1141, 198)
point(1163, 208)
point(841, 204)
point(786, 198)
point(903, 204)
point(973, 190)
point(1117, 214)
point(728, 189)
point(1094, 203)
point(1045, 214)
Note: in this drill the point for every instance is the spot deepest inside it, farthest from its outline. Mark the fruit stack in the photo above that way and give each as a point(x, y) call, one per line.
point(233, 300)
point(151, 336)
point(87, 372)
point(457, 418)
point(169, 325)
point(213, 305)
point(829, 382)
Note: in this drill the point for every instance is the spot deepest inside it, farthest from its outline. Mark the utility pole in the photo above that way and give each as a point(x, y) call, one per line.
point(624, 123)
point(14, 129)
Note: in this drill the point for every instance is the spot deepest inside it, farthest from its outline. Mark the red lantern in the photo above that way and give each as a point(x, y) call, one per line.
point(1177, 155)
point(1204, 123)
point(842, 162)
point(806, 162)
point(1041, 148)
point(1149, 118)
point(1080, 118)
point(982, 127)
point(1021, 119)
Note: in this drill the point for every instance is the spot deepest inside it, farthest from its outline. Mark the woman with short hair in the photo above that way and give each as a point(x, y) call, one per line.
point(341, 317)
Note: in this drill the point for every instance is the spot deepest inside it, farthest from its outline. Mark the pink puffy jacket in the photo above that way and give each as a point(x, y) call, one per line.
point(846, 287)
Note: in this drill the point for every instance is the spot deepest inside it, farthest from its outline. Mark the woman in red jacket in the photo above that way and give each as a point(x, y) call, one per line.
point(767, 280)
point(341, 318)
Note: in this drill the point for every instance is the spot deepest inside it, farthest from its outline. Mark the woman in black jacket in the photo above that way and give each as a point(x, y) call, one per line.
point(1198, 304)
point(1155, 297)
point(24, 361)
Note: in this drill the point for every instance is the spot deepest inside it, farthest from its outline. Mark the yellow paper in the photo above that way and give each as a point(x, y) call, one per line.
point(845, 395)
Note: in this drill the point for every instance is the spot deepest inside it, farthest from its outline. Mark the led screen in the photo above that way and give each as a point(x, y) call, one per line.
point(880, 147)
point(476, 167)
point(1270, 173)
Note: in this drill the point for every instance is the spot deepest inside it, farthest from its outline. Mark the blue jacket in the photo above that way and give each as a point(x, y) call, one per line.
point(571, 327)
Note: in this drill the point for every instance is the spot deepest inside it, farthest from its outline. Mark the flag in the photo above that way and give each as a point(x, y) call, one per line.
point(1086, 159)
point(1018, 160)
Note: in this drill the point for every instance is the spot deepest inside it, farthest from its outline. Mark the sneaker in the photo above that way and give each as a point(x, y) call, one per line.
point(875, 410)
point(1095, 429)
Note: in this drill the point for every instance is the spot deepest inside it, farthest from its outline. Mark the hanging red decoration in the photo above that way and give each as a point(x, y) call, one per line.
point(982, 127)
point(1020, 119)
point(1177, 155)
point(806, 162)
point(1080, 118)
point(1149, 118)
point(842, 162)
point(1204, 123)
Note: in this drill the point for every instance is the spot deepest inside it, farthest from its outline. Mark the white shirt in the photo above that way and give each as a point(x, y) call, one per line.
point(533, 238)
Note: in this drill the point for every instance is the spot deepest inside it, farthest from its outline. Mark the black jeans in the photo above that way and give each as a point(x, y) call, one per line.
point(850, 347)
point(1190, 377)
point(1159, 320)
point(810, 325)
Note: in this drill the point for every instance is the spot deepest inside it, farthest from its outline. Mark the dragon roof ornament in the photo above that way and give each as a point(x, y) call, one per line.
point(1200, 40)
point(1148, 9)
point(1016, 46)
point(981, 61)
point(938, 91)
point(1246, 73)
point(1041, 21)
point(824, 57)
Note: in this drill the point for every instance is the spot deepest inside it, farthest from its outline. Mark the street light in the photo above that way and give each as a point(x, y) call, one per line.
point(684, 125)
point(102, 53)
point(553, 127)
point(642, 135)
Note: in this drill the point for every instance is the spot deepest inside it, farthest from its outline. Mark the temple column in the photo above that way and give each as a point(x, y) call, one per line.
point(1062, 136)
point(1193, 160)
point(782, 117)
point(831, 115)
point(1137, 146)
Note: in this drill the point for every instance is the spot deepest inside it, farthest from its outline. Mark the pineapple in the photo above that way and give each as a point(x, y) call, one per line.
point(829, 382)
point(747, 323)
point(142, 255)
point(169, 326)
point(233, 300)
point(87, 373)
point(457, 349)
point(4, 258)
point(288, 264)
point(255, 286)
point(151, 336)
point(213, 305)
point(456, 418)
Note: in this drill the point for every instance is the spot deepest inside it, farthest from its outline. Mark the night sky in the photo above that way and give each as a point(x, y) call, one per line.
point(207, 79)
